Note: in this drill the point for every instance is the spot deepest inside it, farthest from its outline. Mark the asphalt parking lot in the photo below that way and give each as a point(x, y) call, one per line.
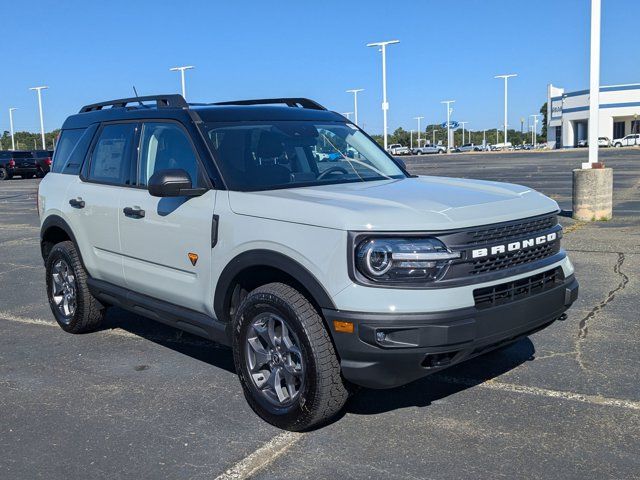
point(140, 400)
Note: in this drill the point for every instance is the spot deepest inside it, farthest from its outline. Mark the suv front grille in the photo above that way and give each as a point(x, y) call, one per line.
point(511, 291)
point(511, 230)
point(508, 260)
point(502, 234)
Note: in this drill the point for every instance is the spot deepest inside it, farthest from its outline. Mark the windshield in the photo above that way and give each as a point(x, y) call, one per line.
point(285, 154)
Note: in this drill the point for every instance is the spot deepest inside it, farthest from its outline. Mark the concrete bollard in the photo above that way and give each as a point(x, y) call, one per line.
point(593, 194)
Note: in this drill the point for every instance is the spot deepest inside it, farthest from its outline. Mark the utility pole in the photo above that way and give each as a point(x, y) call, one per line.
point(355, 102)
point(418, 119)
point(506, 77)
point(497, 137)
point(535, 133)
point(463, 124)
point(484, 138)
point(411, 139)
point(449, 110)
point(39, 90)
point(385, 103)
point(434, 135)
point(13, 142)
point(182, 70)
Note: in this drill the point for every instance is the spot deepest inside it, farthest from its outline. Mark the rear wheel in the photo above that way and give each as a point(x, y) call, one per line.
point(618, 145)
point(73, 306)
point(285, 359)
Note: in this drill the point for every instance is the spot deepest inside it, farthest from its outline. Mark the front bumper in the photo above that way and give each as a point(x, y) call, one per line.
point(416, 345)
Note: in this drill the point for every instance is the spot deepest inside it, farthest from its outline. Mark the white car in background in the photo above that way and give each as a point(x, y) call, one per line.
point(429, 149)
point(397, 149)
point(627, 141)
point(469, 147)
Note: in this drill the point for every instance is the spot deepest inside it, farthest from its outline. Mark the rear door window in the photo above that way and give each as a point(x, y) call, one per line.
point(111, 156)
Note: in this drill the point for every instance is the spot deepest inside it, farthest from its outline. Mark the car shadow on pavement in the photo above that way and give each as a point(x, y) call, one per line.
point(439, 386)
point(421, 393)
point(196, 347)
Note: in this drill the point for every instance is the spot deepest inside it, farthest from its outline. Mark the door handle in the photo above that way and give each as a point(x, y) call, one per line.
point(135, 212)
point(76, 202)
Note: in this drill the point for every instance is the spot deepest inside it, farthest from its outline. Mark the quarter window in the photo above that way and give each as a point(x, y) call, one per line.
point(165, 146)
point(111, 157)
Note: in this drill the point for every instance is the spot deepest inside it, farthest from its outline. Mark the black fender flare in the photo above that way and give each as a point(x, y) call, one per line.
point(57, 222)
point(273, 259)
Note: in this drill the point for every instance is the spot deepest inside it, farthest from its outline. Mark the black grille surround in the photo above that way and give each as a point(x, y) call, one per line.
point(470, 269)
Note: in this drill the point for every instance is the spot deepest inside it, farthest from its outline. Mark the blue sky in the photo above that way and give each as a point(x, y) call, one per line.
point(89, 51)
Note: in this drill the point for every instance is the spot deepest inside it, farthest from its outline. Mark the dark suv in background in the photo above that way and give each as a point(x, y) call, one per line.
point(43, 161)
point(16, 162)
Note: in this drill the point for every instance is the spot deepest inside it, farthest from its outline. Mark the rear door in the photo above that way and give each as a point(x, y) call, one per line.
point(167, 242)
point(94, 200)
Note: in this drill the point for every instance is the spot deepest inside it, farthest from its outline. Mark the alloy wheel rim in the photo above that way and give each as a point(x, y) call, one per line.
point(63, 289)
point(274, 359)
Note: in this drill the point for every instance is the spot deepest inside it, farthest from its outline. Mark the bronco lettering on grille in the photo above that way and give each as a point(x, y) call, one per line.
point(513, 246)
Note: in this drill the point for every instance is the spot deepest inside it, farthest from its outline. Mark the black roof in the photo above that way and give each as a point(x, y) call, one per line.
point(174, 106)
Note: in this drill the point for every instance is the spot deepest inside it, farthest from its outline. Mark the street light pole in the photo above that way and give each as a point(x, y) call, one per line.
point(535, 132)
point(13, 143)
point(434, 134)
point(39, 90)
point(385, 103)
point(448, 103)
point(418, 118)
point(506, 77)
point(182, 70)
point(463, 124)
point(355, 102)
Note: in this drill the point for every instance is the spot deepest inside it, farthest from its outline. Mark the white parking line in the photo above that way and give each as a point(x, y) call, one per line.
point(541, 392)
point(262, 457)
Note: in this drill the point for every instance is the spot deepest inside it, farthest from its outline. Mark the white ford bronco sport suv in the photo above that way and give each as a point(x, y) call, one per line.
point(219, 219)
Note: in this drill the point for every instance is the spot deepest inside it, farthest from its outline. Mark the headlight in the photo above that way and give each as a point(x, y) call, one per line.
point(403, 259)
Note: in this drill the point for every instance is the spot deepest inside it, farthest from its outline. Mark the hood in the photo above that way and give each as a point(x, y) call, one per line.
point(419, 203)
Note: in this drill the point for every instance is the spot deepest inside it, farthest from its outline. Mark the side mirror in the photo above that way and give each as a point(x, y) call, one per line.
point(172, 183)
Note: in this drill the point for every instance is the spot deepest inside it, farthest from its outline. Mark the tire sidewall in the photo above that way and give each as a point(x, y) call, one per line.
point(61, 251)
point(265, 302)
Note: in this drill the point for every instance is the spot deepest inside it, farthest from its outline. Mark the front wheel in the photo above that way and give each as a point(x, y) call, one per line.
point(285, 359)
point(618, 145)
point(4, 175)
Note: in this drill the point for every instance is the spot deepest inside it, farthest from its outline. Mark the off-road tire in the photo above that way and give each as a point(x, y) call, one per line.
point(89, 312)
point(324, 391)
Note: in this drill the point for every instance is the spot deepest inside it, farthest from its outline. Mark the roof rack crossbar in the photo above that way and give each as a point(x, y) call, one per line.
point(290, 102)
point(162, 101)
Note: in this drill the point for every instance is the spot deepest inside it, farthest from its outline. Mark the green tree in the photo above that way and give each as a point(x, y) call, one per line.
point(543, 111)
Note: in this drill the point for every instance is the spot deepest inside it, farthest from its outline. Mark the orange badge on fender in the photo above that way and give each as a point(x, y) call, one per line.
point(193, 257)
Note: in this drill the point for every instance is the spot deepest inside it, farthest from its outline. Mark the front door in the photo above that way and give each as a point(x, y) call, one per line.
point(166, 242)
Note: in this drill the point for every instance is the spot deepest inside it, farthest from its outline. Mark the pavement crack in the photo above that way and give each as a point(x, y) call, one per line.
point(583, 326)
point(624, 280)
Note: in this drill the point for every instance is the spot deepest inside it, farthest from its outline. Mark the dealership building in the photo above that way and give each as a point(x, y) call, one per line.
point(568, 114)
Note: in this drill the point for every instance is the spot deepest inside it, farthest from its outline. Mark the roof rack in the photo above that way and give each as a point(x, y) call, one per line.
point(162, 101)
point(290, 102)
